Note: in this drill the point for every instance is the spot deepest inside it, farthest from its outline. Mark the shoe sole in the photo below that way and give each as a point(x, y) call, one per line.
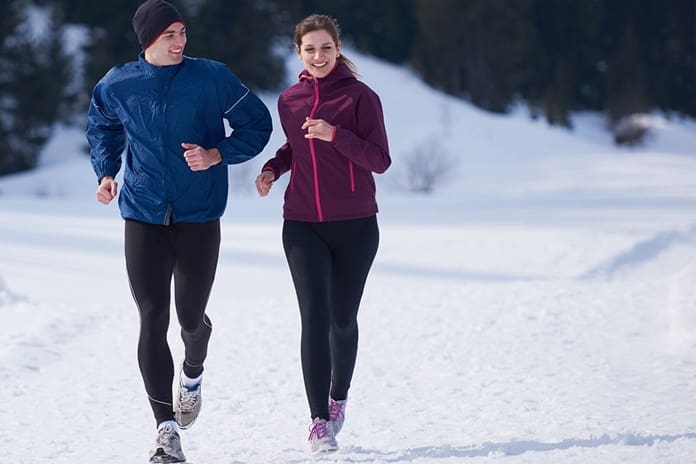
point(166, 459)
point(181, 425)
point(324, 451)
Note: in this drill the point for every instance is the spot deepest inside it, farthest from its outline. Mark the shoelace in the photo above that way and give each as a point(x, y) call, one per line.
point(335, 411)
point(188, 398)
point(318, 430)
point(165, 436)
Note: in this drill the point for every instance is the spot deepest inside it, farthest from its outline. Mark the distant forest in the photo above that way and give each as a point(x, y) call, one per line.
point(618, 57)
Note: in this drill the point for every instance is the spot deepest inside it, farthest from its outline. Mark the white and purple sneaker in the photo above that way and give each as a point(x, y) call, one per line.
point(337, 414)
point(321, 437)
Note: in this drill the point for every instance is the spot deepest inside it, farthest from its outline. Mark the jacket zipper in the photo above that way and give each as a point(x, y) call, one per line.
point(166, 161)
point(168, 216)
point(352, 177)
point(312, 151)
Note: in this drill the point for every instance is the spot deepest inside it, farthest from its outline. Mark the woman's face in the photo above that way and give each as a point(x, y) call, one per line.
point(318, 52)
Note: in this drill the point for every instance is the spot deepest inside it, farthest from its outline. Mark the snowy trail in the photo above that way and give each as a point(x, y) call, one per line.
point(490, 340)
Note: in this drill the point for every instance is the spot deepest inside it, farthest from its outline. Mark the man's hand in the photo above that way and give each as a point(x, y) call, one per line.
point(200, 159)
point(264, 182)
point(107, 190)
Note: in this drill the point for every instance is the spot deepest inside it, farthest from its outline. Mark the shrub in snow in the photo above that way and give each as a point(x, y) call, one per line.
point(427, 165)
point(632, 129)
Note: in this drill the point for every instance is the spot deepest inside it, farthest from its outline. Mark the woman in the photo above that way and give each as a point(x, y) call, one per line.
point(336, 139)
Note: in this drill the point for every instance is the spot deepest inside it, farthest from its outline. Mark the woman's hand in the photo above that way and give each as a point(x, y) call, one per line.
point(264, 181)
point(318, 129)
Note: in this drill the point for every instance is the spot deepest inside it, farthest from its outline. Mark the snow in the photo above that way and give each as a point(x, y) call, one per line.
point(538, 307)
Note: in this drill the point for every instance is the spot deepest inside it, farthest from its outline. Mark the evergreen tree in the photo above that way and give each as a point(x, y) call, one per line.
point(667, 31)
point(110, 37)
point(626, 93)
point(565, 65)
point(241, 34)
point(477, 49)
point(383, 28)
point(32, 82)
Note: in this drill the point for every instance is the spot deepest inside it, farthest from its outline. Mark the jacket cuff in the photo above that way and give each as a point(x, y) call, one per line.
point(271, 169)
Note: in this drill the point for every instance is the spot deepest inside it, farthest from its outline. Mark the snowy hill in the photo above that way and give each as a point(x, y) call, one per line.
point(538, 307)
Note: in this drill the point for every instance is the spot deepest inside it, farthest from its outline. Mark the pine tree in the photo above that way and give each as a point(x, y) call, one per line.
point(626, 93)
point(565, 68)
point(32, 82)
point(383, 28)
point(110, 37)
point(241, 34)
point(668, 43)
point(477, 49)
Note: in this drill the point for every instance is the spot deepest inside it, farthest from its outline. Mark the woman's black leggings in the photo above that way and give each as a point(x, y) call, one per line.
point(187, 252)
point(329, 263)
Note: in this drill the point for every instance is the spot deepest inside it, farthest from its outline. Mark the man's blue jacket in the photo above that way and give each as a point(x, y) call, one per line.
point(148, 111)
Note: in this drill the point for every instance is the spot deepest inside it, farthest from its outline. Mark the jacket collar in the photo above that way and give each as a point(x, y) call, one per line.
point(153, 70)
point(339, 72)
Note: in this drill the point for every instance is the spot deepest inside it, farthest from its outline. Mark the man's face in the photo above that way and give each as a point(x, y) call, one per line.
point(168, 49)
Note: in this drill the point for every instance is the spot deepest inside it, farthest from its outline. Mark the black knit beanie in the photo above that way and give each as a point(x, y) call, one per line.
point(152, 18)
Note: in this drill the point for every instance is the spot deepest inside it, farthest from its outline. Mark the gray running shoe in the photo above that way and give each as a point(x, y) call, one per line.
point(167, 447)
point(187, 405)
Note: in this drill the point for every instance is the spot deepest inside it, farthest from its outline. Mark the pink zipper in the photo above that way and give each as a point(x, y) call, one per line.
point(352, 177)
point(317, 199)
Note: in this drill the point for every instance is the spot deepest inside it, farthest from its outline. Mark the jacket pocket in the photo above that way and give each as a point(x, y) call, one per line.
point(147, 192)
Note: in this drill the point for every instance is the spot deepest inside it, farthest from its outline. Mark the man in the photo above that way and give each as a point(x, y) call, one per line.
point(166, 111)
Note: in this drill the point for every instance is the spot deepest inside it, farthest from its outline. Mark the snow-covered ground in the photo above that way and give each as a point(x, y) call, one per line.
point(539, 306)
